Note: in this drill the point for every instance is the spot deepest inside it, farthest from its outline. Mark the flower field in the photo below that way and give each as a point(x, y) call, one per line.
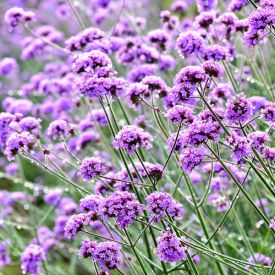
point(137, 137)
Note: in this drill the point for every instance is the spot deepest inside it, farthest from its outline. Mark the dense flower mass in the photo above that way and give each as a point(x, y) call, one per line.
point(91, 167)
point(121, 205)
point(169, 248)
point(136, 137)
point(131, 138)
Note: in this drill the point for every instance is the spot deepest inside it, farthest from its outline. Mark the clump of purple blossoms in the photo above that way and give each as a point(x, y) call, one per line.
point(260, 258)
point(91, 167)
point(15, 142)
point(258, 139)
point(31, 259)
point(75, 224)
point(17, 15)
point(121, 205)
point(212, 68)
point(94, 62)
point(8, 66)
point(190, 74)
point(58, 128)
point(135, 92)
point(131, 138)
point(90, 203)
point(188, 43)
point(268, 112)
point(269, 154)
point(159, 203)
point(191, 158)
point(239, 110)
point(4, 254)
point(107, 254)
point(169, 248)
point(240, 146)
point(179, 114)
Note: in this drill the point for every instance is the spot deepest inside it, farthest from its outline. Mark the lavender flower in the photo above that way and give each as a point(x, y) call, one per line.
point(268, 112)
point(241, 148)
point(58, 128)
point(188, 43)
point(75, 224)
point(159, 38)
point(16, 142)
point(191, 74)
point(169, 248)
point(87, 249)
point(258, 139)
point(269, 154)
point(212, 68)
point(121, 205)
point(31, 259)
point(93, 62)
point(108, 255)
point(160, 202)
point(239, 109)
point(4, 254)
point(179, 114)
point(131, 137)
point(90, 203)
point(16, 15)
point(91, 167)
point(190, 158)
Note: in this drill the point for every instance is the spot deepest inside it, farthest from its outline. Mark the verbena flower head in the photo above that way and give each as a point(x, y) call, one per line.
point(159, 38)
point(156, 85)
point(74, 225)
point(241, 148)
point(90, 203)
point(108, 255)
point(268, 112)
point(17, 15)
point(188, 43)
point(181, 93)
point(8, 66)
point(212, 68)
point(87, 249)
point(4, 254)
point(206, 5)
point(239, 109)
point(135, 92)
point(58, 128)
point(260, 258)
point(205, 19)
point(121, 205)
point(258, 139)
point(91, 167)
point(179, 114)
point(31, 259)
point(159, 203)
point(16, 142)
point(237, 5)
point(269, 153)
point(191, 158)
point(191, 74)
point(131, 138)
point(30, 124)
point(201, 131)
point(215, 52)
point(169, 248)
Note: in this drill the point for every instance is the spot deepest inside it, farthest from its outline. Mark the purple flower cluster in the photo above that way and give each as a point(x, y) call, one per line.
point(131, 138)
point(239, 110)
point(191, 158)
point(31, 259)
point(91, 167)
point(107, 254)
point(121, 205)
point(169, 248)
point(159, 203)
point(16, 15)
